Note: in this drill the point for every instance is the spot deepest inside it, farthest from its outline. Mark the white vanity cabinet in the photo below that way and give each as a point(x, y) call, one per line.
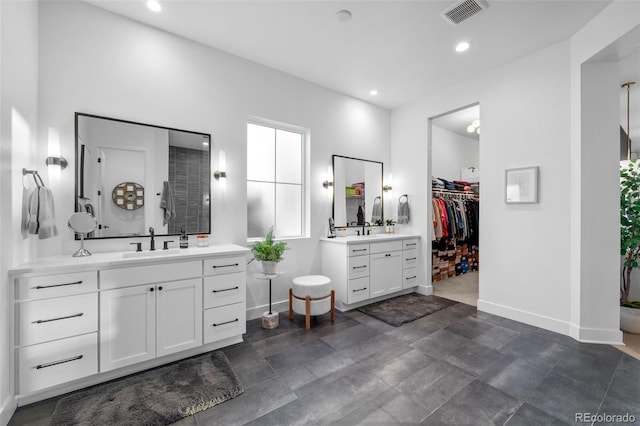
point(143, 316)
point(363, 269)
point(79, 322)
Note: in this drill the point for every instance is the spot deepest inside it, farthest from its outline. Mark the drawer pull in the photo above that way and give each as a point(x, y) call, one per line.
point(411, 258)
point(62, 361)
point(410, 244)
point(411, 278)
point(58, 319)
point(359, 267)
point(226, 289)
point(359, 289)
point(387, 255)
point(226, 322)
point(40, 287)
point(354, 250)
point(224, 266)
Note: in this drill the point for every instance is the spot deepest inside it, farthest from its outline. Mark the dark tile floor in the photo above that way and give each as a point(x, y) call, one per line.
point(456, 366)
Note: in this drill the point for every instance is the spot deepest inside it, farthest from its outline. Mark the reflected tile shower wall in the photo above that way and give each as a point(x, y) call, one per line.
point(190, 190)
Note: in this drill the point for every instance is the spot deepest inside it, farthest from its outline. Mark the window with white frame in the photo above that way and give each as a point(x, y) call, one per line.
point(275, 180)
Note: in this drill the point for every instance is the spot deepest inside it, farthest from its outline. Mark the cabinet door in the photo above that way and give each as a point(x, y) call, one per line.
point(179, 316)
point(127, 326)
point(386, 273)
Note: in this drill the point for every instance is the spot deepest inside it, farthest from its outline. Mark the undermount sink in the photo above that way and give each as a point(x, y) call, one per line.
point(149, 253)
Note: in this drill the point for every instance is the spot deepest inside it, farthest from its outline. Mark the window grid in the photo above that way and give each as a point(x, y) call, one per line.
point(275, 182)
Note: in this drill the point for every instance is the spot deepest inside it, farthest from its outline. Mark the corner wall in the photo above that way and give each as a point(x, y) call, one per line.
point(524, 272)
point(18, 121)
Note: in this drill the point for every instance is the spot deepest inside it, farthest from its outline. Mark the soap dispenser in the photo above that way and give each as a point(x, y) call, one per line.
point(184, 240)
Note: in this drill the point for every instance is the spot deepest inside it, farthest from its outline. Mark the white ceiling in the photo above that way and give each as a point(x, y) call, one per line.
point(404, 49)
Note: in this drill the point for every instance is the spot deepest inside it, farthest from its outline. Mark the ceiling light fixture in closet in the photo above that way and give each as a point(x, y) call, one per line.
point(474, 127)
point(373, 92)
point(343, 15)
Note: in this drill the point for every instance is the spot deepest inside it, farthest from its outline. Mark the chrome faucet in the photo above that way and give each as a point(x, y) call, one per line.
point(153, 241)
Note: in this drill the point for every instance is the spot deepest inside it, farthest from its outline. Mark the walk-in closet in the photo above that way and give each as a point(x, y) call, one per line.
point(455, 205)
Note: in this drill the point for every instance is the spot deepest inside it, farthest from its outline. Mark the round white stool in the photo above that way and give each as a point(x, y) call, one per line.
point(311, 295)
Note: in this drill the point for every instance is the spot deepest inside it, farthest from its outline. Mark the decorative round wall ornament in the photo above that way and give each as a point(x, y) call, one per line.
point(128, 195)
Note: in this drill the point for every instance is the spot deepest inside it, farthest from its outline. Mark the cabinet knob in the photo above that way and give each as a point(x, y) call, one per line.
point(159, 288)
point(151, 289)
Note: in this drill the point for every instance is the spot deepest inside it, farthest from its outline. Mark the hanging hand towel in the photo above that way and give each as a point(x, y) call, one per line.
point(403, 210)
point(167, 204)
point(376, 211)
point(42, 219)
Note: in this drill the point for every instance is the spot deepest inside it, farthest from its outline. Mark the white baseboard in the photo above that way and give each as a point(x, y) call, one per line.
point(584, 335)
point(257, 311)
point(8, 408)
point(596, 335)
point(548, 323)
point(425, 289)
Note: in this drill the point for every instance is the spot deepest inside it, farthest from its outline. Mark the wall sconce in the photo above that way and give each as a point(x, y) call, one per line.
point(387, 188)
point(57, 161)
point(222, 166)
point(329, 182)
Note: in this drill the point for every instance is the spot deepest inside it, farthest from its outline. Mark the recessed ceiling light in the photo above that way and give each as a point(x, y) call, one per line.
point(463, 46)
point(343, 15)
point(373, 92)
point(154, 5)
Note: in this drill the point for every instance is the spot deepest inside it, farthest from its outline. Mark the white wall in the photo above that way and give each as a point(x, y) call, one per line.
point(145, 75)
point(18, 120)
point(451, 152)
point(594, 253)
point(525, 269)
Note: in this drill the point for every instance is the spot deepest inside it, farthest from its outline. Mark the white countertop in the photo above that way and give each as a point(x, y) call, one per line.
point(67, 263)
point(358, 239)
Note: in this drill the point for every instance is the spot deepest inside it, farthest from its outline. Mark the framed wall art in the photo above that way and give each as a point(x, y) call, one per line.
point(521, 185)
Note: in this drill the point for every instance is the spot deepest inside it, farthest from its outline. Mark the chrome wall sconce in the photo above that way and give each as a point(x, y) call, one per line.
point(387, 188)
point(222, 166)
point(327, 183)
point(219, 174)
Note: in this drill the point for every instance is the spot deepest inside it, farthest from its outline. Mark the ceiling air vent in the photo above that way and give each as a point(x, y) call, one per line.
point(463, 10)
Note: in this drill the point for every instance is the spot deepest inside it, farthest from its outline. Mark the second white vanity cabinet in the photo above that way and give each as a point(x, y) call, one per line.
point(365, 269)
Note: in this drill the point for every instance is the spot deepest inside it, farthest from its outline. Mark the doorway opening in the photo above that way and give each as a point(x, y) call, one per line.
point(454, 154)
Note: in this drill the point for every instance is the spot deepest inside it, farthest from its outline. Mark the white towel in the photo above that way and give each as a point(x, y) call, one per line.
point(376, 211)
point(42, 220)
point(403, 212)
point(167, 204)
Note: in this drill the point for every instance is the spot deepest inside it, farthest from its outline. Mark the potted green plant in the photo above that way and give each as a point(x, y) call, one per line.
point(390, 226)
point(269, 252)
point(629, 243)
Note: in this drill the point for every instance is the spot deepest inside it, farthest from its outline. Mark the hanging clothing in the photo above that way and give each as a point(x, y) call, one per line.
point(455, 218)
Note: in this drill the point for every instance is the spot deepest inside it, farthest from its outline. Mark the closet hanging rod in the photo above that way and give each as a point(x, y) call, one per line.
point(454, 192)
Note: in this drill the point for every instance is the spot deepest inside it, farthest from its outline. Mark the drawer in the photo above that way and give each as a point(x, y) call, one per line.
point(386, 246)
point(410, 243)
point(358, 249)
point(57, 285)
point(224, 322)
point(225, 265)
point(51, 319)
point(409, 277)
point(409, 258)
point(48, 364)
point(222, 290)
point(149, 274)
point(357, 290)
point(358, 267)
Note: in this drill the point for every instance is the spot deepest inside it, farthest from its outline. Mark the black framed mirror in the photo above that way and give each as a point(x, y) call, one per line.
point(357, 196)
point(132, 176)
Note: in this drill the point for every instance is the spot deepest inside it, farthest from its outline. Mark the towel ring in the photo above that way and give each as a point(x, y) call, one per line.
point(403, 195)
point(378, 199)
